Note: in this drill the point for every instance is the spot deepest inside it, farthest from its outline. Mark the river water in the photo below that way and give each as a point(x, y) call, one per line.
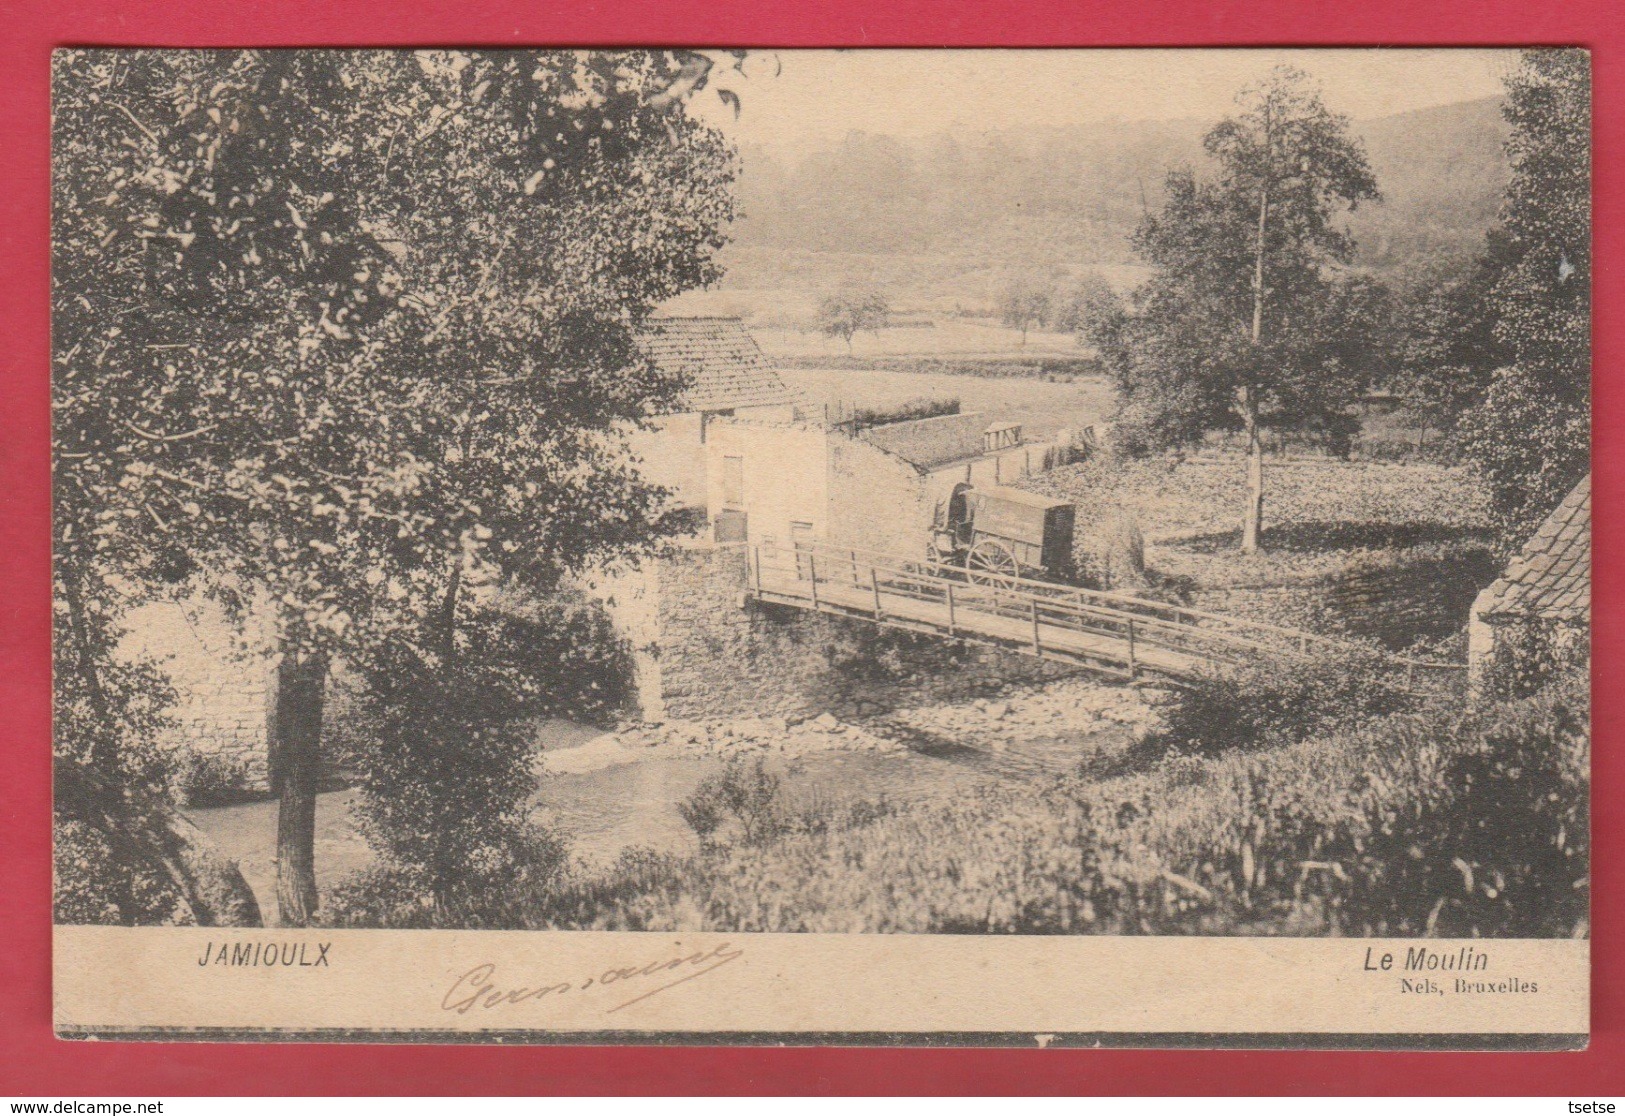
point(606, 811)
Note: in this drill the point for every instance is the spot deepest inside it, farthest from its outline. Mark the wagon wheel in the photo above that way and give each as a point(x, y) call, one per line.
point(936, 558)
point(992, 563)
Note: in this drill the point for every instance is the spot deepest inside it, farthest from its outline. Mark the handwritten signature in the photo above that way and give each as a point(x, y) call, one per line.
point(480, 987)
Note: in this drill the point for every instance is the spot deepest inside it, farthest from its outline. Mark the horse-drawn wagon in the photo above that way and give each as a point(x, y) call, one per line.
point(998, 535)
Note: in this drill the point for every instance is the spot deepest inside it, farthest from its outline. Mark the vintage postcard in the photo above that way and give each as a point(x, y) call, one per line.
point(959, 546)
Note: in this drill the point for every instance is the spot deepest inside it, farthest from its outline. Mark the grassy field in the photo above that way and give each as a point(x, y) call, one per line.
point(1319, 517)
point(782, 321)
point(1393, 552)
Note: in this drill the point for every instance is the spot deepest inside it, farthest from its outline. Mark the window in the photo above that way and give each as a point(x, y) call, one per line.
point(733, 481)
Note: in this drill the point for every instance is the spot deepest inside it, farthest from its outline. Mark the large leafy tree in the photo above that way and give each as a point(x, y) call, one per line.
point(1530, 435)
point(846, 312)
point(341, 332)
point(1448, 350)
point(1242, 325)
point(1026, 300)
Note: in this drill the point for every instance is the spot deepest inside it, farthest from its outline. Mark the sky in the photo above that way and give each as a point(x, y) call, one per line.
point(793, 99)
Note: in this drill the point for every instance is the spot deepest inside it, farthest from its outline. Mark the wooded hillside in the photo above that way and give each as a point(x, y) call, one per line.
point(947, 215)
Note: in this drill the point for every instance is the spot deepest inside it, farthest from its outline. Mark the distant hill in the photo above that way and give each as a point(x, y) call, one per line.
point(940, 221)
point(1442, 172)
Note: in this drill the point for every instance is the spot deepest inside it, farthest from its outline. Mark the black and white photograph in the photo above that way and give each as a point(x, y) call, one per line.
point(739, 501)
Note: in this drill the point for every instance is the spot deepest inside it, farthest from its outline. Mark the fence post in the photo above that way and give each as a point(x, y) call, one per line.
point(812, 574)
point(854, 557)
point(874, 583)
point(1132, 670)
point(950, 610)
point(756, 561)
point(1038, 648)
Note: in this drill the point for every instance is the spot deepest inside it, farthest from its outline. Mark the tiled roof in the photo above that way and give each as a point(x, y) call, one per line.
point(1551, 576)
point(724, 366)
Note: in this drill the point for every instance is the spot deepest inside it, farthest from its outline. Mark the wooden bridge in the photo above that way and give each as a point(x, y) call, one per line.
point(1113, 632)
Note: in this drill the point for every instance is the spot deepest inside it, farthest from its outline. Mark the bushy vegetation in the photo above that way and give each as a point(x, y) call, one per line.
point(447, 778)
point(1282, 701)
point(109, 774)
point(1075, 450)
point(203, 779)
point(1426, 818)
point(745, 804)
point(1533, 654)
point(1529, 434)
point(1436, 822)
point(920, 407)
point(1167, 494)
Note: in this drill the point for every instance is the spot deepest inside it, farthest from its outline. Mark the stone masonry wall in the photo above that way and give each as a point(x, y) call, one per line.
point(718, 657)
point(877, 501)
point(224, 688)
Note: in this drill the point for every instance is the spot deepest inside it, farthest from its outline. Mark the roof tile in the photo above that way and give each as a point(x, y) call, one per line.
point(721, 360)
point(1551, 576)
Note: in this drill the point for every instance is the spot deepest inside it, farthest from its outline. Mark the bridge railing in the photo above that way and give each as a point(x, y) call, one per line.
point(1135, 622)
point(954, 603)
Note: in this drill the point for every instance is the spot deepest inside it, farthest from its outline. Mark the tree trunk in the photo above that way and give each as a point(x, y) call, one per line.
point(296, 767)
point(147, 831)
point(1252, 519)
point(103, 753)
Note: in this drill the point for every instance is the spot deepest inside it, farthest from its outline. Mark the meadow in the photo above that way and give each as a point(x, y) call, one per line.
point(1390, 551)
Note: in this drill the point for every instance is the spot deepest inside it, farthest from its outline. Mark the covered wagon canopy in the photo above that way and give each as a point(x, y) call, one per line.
point(1013, 514)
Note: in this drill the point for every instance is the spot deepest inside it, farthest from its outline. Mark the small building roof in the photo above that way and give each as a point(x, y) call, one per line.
point(721, 360)
point(930, 443)
point(1550, 579)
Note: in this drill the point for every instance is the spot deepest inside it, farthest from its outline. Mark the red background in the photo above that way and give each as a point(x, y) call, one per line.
point(32, 1062)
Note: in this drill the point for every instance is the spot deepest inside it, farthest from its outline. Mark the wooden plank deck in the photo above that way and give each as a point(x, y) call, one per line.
point(1053, 641)
point(1121, 634)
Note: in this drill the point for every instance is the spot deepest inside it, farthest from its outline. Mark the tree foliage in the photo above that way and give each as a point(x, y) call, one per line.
point(1530, 436)
point(1448, 349)
point(447, 778)
point(850, 310)
point(1080, 304)
point(1244, 323)
point(1025, 301)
